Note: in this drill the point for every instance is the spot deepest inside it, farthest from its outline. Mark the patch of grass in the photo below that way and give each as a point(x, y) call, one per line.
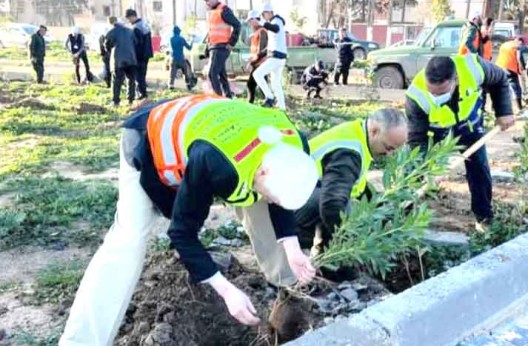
point(55, 52)
point(9, 286)
point(56, 210)
point(58, 282)
point(27, 338)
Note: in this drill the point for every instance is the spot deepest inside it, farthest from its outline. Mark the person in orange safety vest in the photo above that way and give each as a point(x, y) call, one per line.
point(222, 36)
point(511, 60)
point(258, 51)
point(471, 42)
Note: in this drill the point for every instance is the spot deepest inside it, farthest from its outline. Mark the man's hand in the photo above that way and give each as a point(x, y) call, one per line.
point(237, 302)
point(505, 122)
point(299, 262)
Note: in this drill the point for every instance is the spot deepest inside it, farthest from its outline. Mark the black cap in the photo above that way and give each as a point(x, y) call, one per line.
point(130, 13)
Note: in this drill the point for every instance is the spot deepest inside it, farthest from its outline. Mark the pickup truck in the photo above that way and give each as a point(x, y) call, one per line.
point(299, 57)
point(395, 68)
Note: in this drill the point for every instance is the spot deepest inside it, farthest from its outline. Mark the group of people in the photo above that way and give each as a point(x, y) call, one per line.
point(177, 156)
point(130, 48)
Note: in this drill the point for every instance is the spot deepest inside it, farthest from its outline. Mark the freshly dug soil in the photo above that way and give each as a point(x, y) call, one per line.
point(168, 310)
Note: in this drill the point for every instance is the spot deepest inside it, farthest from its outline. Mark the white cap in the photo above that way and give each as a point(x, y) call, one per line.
point(267, 7)
point(292, 175)
point(252, 15)
point(75, 30)
point(475, 15)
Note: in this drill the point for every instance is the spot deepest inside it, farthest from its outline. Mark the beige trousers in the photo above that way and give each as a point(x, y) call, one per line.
point(270, 254)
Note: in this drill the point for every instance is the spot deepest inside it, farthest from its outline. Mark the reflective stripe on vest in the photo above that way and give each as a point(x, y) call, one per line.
point(470, 78)
point(349, 135)
point(219, 31)
point(507, 58)
point(230, 126)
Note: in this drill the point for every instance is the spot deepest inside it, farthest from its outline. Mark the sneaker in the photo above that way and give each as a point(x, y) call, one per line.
point(269, 103)
point(482, 226)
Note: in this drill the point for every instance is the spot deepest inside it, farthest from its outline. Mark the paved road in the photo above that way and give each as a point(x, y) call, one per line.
point(512, 332)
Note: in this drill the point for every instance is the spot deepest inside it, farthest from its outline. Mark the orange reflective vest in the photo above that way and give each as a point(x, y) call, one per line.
point(487, 50)
point(507, 58)
point(463, 49)
point(255, 44)
point(219, 31)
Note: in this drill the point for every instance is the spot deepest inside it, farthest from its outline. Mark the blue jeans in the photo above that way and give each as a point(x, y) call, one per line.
point(478, 173)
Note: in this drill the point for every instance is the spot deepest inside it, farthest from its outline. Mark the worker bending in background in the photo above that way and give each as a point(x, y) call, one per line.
point(511, 60)
point(258, 51)
point(75, 45)
point(314, 79)
point(343, 155)
point(446, 97)
point(276, 61)
point(253, 158)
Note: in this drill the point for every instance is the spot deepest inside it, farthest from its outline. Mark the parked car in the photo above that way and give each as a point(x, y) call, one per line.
point(19, 35)
point(360, 48)
point(395, 67)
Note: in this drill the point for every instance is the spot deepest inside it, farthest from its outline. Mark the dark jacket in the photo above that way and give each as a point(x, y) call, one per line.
point(143, 42)
point(344, 51)
point(473, 30)
point(177, 44)
point(311, 74)
point(495, 82)
point(208, 174)
point(121, 40)
point(105, 53)
point(37, 47)
point(228, 17)
point(75, 44)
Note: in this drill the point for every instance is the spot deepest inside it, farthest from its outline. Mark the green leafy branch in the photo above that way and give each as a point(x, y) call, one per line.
point(376, 232)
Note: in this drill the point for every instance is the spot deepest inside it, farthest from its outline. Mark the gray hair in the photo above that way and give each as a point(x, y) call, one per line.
point(389, 118)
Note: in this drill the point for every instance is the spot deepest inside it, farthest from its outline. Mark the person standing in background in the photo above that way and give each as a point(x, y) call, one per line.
point(75, 45)
point(471, 42)
point(222, 36)
point(122, 41)
point(345, 57)
point(276, 61)
point(511, 60)
point(487, 51)
point(258, 51)
point(143, 48)
point(105, 57)
point(37, 52)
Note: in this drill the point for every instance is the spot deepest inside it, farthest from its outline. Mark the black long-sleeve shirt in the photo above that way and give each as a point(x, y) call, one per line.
point(229, 17)
point(495, 82)
point(208, 174)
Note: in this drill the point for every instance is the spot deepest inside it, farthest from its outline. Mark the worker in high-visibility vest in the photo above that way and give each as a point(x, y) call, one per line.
point(176, 157)
point(511, 59)
point(257, 51)
point(343, 155)
point(446, 97)
point(222, 36)
point(471, 42)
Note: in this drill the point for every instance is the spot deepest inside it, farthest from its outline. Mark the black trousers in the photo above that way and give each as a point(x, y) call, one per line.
point(141, 77)
point(77, 62)
point(119, 77)
point(341, 69)
point(218, 72)
point(252, 87)
point(107, 72)
point(38, 66)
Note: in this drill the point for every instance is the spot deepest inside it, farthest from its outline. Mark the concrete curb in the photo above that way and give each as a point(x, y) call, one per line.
point(441, 310)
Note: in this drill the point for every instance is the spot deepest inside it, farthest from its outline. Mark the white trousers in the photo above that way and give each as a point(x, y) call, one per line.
point(272, 67)
point(113, 273)
point(111, 277)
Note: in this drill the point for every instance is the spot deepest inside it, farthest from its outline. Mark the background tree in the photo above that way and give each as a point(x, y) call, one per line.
point(441, 9)
point(298, 20)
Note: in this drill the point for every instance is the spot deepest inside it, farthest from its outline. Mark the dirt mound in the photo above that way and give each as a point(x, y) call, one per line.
point(167, 309)
point(90, 108)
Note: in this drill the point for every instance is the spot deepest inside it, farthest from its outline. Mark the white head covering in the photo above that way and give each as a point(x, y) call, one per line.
point(292, 174)
point(267, 8)
point(75, 30)
point(475, 15)
point(253, 14)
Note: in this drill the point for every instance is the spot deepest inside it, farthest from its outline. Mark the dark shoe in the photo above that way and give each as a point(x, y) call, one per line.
point(269, 103)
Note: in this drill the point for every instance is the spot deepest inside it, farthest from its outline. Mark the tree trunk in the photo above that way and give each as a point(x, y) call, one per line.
point(329, 15)
point(370, 20)
point(468, 6)
point(363, 10)
point(501, 7)
point(403, 11)
point(389, 24)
